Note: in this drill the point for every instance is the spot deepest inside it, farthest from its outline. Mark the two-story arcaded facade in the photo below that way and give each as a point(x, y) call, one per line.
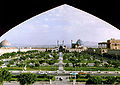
point(111, 44)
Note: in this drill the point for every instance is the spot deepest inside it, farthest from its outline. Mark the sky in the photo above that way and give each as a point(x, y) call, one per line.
point(63, 22)
point(15, 12)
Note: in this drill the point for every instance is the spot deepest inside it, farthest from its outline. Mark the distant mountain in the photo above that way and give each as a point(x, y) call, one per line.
point(61, 23)
point(91, 44)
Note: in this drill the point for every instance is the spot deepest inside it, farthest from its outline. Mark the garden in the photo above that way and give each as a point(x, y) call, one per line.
point(23, 78)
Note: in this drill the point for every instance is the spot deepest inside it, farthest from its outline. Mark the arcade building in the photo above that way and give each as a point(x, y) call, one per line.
point(110, 44)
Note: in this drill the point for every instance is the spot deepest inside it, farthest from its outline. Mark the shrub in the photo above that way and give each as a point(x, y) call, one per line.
point(110, 80)
point(67, 65)
point(1, 62)
point(13, 79)
point(42, 79)
point(81, 80)
point(5, 75)
point(11, 62)
point(88, 76)
point(118, 79)
point(27, 78)
point(8, 65)
point(94, 80)
point(53, 78)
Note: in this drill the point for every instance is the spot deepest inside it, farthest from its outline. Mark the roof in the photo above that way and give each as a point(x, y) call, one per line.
point(102, 43)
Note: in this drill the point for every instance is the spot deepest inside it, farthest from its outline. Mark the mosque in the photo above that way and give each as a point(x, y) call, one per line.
point(5, 43)
point(6, 47)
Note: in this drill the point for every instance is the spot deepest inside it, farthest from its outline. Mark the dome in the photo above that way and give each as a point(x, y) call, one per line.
point(5, 43)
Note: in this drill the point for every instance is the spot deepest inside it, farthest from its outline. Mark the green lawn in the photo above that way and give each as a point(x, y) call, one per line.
point(38, 79)
point(66, 61)
point(15, 68)
point(79, 80)
point(53, 68)
point(88, 61)
point(90, 69)
point(43, 68)
point(83, 61)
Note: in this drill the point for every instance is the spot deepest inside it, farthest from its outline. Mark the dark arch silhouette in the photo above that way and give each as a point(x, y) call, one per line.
point(15, 12)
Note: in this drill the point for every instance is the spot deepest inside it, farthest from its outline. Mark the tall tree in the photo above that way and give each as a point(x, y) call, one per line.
point(94, 80)
point(110, 80)
point(27, 78)
point(73, 60)
point(5, 75)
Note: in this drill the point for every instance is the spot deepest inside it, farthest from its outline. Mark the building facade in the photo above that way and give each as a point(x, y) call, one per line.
point(111, 44)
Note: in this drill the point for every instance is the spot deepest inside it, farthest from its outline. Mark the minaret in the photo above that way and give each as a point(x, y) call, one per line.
point(63, 43)
point(58, 43)
point(71, 43)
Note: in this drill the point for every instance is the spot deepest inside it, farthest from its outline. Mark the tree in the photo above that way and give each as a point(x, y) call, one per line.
point(5, 75)
point(47, 57)
point(55, 56)
point(51, 62)
point(23, 58)
point(118, 79)
point(83, 65)
point(109, 62)
point(102, 59)
point(94, 80)
point(116, 64)
point(11, 62)
point(110, 80)
point(67, 65)
point(73, 60)
point(37, 64)
point(88, 76)
point(78, 76)
point(41, 61)
point(1, 62)
point(97, 63)
point(27, 78)
point(106, 65)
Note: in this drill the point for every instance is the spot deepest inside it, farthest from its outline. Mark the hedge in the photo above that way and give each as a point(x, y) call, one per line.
point(79, 80)
point(42, 79)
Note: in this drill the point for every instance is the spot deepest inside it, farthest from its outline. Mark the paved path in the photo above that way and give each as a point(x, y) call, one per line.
point(68, 72)
point(61, 68)
point(45, 83)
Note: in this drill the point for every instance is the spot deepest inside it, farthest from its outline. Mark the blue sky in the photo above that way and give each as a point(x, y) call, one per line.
point(61, 23)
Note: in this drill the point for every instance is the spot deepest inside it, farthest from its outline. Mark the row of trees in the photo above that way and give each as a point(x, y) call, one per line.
point(76, 58)
point(23, 78)
point(101, 80)
point(34, 58)
point(112, 56)
point(8, 55)
point(1, 62)
point(111, 63)
point(97, 79)
point(5, 75)
point(19, 53)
